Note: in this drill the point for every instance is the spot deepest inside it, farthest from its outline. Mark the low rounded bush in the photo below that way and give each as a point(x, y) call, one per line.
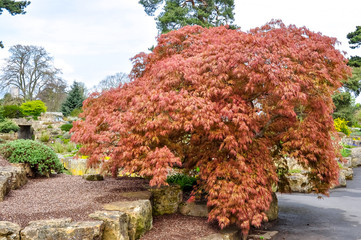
point(12, 111)
point(66, 127)
point(41, 158)
point(7, 126)
point(33, 108)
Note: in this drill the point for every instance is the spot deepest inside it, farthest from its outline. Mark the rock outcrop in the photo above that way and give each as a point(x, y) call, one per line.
point(166, 199)
point(62, 229)
point(272, 212)
point(193, 209)
point(9, 231)
point(93, 177)
point(115, 224)
point(11, 177)
point(139, 213)
point(17, 176)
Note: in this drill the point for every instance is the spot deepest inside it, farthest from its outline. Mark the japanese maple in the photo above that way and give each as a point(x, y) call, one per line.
point(228, 102)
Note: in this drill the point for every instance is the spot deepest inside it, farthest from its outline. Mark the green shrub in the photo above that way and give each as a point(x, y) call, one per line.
point(66, 127)
point(7, 126)
point(184, 181)
point(33, 108)
point(2, 118)
point(341, 126)
point(12, 111)
point(42, 159)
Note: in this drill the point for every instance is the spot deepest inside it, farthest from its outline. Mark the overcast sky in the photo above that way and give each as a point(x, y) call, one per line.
point(90, 39)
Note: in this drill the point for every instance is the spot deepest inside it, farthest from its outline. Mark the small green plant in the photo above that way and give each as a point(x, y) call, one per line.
point(50, 126)
point(58, 147)
point(45, 137)
point(7, 126)
point(76, 112)
point(33, 108)
point(69, 146)
point(345, 152)
point(66, 127)
point(294, 171)
point(184, 181)
point(42, 159)
point(339, 165)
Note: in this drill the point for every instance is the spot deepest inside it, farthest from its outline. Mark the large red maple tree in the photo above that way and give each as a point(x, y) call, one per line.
point(228, 102)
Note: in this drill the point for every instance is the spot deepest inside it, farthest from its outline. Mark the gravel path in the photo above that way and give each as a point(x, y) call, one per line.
point(64, 196)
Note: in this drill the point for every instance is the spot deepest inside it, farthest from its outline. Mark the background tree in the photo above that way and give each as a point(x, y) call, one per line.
point(111, 81)
point(355, 38)
point(54, 94)
point(344, 98)
point(30, 69)
point(180, 13)
point(13, 7)
point(74, 99)
point(227, 102)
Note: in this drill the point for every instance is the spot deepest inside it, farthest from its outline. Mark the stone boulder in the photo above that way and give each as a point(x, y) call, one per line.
point(26, 167)
point(356, 157)
point(4, 186)
point(193, 209)
point(347, 163)
point(166, 199)
point(9, 231)
point(348, 172)
point(139, 213)
point(93, 177)
point(299, 182)
point(272, 212)
point(115, 224)
point(62, 229)
point(17, 176)
point(230, 233)
point(139, 195)
point(341, 179)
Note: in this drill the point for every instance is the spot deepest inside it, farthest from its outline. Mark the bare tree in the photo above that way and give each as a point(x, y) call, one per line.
point(111, 81)
point(30, 69)
point(53, 95)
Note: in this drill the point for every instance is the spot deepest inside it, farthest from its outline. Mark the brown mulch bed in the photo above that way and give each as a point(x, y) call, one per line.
point(63, 196)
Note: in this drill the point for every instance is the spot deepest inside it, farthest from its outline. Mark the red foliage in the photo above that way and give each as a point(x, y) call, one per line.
point(229, 102)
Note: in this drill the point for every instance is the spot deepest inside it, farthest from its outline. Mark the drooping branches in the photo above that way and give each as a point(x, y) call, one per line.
point(228, 102)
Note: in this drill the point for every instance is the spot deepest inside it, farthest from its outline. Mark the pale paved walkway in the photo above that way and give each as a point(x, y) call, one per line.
point(303, 216)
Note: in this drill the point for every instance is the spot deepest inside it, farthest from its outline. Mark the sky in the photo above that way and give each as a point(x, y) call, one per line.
point(92, 39)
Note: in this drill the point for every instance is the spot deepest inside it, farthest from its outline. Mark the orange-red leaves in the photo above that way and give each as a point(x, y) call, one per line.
point(228, 102)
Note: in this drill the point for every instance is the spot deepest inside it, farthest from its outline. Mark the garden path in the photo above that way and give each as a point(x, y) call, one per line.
point(304, 216)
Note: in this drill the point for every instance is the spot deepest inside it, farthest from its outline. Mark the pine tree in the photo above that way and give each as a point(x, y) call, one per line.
point(74, 100)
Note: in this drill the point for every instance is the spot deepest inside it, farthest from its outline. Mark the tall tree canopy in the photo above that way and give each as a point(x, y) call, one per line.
point(228, 102)
point(355, 38)
point(13, 7)
point(30, 69)
point(180, 13)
